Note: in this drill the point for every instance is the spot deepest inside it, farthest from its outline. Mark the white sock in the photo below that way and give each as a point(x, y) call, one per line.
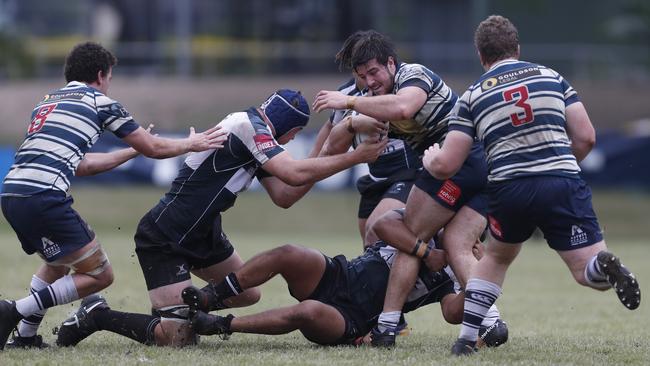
point(29, 326)
point(388, 320)
point(491, 316)
point(62, 291)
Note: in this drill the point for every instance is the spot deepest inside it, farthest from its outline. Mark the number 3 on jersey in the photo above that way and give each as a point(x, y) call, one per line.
point(40, 117)
point(520, 94)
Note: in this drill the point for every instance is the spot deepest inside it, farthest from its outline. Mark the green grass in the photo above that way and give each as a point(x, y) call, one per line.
point(551, 319)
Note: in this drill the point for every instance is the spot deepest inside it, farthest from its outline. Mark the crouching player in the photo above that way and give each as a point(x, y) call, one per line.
point(340, 300)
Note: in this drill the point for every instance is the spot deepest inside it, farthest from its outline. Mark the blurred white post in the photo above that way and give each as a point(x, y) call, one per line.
point(183, 30)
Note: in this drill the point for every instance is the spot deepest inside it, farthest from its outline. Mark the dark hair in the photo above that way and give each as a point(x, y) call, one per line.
point(344, 56)
point(496, 38)
point(86, 60)
point(373, 45)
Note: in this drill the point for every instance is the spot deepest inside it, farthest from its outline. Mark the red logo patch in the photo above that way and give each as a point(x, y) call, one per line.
point(449, 192)
point(264, 142)
point(495, 226)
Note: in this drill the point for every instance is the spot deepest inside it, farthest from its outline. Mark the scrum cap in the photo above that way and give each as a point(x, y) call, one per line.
point(286, 109)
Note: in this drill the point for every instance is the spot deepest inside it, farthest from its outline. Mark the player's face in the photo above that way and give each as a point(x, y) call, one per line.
point(104, 81)
point(284, 139)
point(379, 78)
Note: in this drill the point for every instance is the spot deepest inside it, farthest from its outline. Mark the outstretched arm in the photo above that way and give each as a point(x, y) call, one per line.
point(443, 162)
point(159, 147)
point(95, 163)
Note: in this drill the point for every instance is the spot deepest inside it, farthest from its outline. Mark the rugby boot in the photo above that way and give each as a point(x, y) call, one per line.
point(35, 341)
point(208, 324)
point(463, 347)
point(9, 318)
point(621, 279)
point(204, 299)
point(402, 328)
point(494, 335)
point(383, 339)
point(80, 325)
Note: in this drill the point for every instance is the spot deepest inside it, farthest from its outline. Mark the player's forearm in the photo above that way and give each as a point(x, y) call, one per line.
point(340, 139)
point(95, 163)
point(163, 148)
point(309, 171)
point(382, 107)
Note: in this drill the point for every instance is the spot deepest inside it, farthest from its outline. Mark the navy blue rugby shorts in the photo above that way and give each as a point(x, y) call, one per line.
point(464, 188)
point(559, 206)
point(46, 223)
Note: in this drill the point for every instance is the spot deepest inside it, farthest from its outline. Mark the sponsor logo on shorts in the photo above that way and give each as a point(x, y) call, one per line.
point(50, 248)
point(264, 142)
point(449, 192)
point(578, 236)
point(495, 226)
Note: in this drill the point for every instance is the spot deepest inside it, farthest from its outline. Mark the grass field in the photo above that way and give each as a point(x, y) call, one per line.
point(551, 319)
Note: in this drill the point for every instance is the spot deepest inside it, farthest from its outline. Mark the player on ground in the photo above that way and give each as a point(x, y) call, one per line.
point(339, 300)
point(417, 103)
point(535, 130)
point(182, 234)
point(35, 200)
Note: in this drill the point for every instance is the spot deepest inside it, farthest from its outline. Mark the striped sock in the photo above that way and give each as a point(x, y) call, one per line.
point(594, 276)
point(388, 320)
point(229, 287)
point(480, 295)
point(29, 326)
point(62, 291)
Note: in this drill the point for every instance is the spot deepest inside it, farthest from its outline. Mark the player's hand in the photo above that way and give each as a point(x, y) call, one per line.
point(428, 160)
point(369, 125)
point(330, 100)
point(212, 138)
point(370, 149)
point(436, 260)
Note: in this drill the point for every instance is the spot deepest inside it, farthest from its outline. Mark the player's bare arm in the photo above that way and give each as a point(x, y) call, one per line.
point(343, 133)
point(580, 130)
point(159, 147)
point(443, 162)
point(298, 172)
point(390, 107)
point(95, 163)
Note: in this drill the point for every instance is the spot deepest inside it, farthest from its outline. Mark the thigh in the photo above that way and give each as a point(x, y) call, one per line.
point(215, 273)
point(424, 216)
point(326, 326)
point(47, 224)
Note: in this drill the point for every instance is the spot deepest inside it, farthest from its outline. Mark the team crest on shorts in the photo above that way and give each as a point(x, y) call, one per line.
point(578, 236)
point(50, 248)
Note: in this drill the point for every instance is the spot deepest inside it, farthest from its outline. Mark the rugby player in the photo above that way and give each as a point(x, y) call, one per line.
point(390, 178)
point(339, 300)
point(35, 199)
point(535, 131)
point(417, 103)
point(182, 234)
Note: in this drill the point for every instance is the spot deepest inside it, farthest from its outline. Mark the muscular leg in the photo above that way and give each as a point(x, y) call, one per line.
point(458, 239)
point(385, 205)
point(317, 321)
point(578, 259)
point(217, 272)
point(423, 217)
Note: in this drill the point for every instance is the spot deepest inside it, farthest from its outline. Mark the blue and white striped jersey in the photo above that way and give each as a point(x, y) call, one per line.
point(517, 109)
point(209, 181)
point(396, 156)
point(64, 126)
point(429, 125)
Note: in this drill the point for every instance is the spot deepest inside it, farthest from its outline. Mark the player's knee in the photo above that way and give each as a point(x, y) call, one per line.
point(307, 311)
point(288, 252)
point(250, 297)
point(105, 278)
point(453, 315)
